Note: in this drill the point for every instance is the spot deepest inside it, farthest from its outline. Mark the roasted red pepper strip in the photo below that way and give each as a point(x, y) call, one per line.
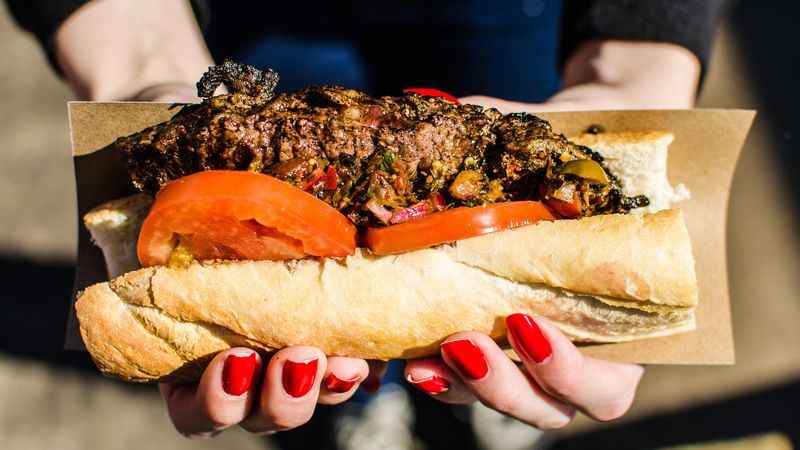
point(428, 92)
point(316, 176)
point(331, 178)
point(567, 210)
point(438, 201)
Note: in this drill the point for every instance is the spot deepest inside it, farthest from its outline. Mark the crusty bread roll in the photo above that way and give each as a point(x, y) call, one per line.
point(600, 279)
point(640, 160)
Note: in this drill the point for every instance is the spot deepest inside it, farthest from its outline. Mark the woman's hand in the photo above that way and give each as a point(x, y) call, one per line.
point(556, 378)
point(607, 75)
point(123, 50)
point(238, 387)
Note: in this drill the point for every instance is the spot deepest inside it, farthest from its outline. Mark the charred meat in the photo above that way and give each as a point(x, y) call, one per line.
point(378, 160)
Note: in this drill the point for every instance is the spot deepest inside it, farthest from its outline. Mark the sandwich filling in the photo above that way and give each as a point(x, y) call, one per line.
point(380, 161)
point(252, 175)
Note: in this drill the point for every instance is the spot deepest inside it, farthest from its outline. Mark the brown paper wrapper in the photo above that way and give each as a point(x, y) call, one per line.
point(703, 157)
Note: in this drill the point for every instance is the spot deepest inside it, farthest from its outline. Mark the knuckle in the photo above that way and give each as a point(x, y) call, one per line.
point(283, 422)
point(508, 404)
point(221, 419)
point(612, 410)
point(553, 422)
point(563, 386)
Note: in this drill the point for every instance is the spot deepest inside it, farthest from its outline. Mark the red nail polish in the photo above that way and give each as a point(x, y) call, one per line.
point(432, 385)
point(371, 384)
point(528, 338)
point(467, 357)
point(298, 377)
point(237, 373)
point(338, 385)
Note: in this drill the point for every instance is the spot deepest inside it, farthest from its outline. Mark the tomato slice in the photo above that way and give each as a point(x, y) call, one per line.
point(226, 214)
point(454, 224)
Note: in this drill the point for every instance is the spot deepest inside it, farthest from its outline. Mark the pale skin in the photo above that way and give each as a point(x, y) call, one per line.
point(152, 50)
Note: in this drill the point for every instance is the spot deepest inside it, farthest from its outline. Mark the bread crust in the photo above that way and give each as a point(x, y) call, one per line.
point(161, 323)
point(627, 257)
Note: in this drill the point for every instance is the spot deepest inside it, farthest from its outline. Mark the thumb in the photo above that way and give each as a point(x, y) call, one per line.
point(168, 92)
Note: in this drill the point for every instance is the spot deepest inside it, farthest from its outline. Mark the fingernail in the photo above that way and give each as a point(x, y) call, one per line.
point(237, 373)
point(432, 385)
point(338, 385)
point(528, 337)
point(371, 384)
point(298, 377)
point(467, 357)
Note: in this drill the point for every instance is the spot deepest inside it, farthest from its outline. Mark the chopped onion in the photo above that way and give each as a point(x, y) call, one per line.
point(565, 193)
point(412, 212)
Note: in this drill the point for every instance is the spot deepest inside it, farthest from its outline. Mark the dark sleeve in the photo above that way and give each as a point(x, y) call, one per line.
point(688, 23)
point(42, 18)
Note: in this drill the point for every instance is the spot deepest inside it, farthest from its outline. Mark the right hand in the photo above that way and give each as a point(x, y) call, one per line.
point(554, 380)
point(263, 397)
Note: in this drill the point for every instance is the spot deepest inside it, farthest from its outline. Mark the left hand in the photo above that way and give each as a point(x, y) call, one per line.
point(264, 396)
point(555, 380)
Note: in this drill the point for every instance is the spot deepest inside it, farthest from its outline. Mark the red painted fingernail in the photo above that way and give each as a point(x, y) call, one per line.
point(237, 373)
point(371, 384)
point(298, 377)
point(527, 336)
point(336, 384)
point(432, 385)
point(467, 357)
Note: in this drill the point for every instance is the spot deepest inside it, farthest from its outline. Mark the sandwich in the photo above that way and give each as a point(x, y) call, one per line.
point(374, 228)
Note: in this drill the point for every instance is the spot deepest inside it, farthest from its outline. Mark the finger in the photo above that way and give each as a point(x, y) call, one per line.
point(433, 377)
point(505, 106)
point(558, 103)
point(342, 379)
point(601, 389)
point(168, 92)
point(498, 383)
point(289, 390)
point(223, 397)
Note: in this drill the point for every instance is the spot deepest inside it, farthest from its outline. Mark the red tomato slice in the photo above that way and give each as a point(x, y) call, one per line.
point(569, 210)
point(454, 224)
point(428, 92)
point(225, 214)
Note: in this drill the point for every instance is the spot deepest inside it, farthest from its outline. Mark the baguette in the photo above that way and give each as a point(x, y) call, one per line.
point(608, 278)
point(162, 323)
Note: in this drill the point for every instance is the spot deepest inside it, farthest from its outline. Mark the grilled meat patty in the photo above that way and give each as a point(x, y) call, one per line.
point(378, 160)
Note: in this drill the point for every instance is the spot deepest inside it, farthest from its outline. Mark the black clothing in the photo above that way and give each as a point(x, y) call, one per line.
point(689, 23)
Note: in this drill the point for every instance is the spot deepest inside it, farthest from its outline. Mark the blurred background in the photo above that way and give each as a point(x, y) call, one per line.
point(55, 400)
